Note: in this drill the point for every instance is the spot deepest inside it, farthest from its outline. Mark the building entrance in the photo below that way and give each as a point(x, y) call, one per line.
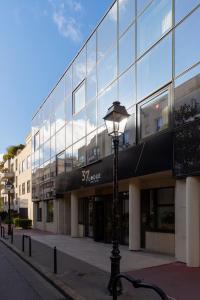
point(95, 215)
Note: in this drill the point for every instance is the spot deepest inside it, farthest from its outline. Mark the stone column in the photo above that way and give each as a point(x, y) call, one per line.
point(74, 215)
point(134, 215)
point(180, 220)
point(193, 221)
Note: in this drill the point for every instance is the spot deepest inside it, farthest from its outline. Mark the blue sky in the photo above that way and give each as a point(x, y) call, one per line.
point(38, 39)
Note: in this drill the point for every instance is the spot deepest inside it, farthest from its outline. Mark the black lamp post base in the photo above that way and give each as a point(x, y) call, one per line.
point(115, 269)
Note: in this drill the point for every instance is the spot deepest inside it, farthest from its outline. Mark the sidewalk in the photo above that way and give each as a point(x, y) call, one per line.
point(84, 266)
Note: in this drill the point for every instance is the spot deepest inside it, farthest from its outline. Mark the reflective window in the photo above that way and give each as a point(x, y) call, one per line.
point(46, 151)
point(79, 98)
point(107, 69)
point(69, 108)
point(79, 154)
point(129, 137)
point(183, 7)
point(36, 141)
point(46, 120)
point(37, 159)
point(92, 151)
point(53, 146)
point(107, 32)
point(91, 116)
point(127, 49)
point(153, 24)
point(187, 42)
point(104, 142)
point(154, 115)
point(60, 163)
point(141, 4)
point(105, 100)
point(41, 157)
point(91, 53)
point(155, 68)
point(126, 14)
point(68, 134)
point(60, 115)
point(79, 126)
point(79, 68)
point(60, 140)
point(127, 88)
point(68, 159)
point(91, 86)
point(187, 97)
point(68, 82)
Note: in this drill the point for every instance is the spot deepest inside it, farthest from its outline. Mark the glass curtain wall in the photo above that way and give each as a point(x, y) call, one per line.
point(139, 48)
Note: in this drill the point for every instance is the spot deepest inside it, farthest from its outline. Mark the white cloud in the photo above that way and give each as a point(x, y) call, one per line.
point(66, 15)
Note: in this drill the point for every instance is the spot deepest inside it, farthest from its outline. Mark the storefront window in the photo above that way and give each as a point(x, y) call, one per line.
point(39, 211)
point(50, 211)
point(153, 23)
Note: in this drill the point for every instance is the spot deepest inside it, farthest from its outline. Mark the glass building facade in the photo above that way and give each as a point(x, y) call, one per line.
point(144, 53)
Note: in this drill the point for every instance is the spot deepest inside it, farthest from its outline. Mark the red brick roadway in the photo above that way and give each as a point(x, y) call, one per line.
point(176, 279)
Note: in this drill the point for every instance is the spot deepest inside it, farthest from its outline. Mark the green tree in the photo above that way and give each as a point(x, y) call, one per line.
point(12, 151)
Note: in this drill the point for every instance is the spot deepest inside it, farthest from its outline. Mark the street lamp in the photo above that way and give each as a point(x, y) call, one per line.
point(8, 188)
point(115, 120)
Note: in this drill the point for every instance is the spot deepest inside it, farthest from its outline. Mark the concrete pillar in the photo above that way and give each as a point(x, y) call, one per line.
point(74, 215)
point(134, 215)
point(180, 220)
point(193, 221)
point(34, 214)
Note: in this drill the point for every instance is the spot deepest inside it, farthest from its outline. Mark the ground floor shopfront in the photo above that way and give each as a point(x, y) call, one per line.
point(158, 214)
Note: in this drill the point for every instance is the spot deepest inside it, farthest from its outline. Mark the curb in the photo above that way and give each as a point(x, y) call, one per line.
point(50, 277)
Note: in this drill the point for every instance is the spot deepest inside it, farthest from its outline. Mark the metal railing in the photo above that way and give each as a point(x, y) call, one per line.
point(137, 283)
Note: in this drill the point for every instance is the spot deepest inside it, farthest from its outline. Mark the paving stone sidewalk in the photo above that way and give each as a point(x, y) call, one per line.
point(84, 265)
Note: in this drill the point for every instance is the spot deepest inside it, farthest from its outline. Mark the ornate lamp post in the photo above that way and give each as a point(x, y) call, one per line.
point(115, 120)
point(8, 188)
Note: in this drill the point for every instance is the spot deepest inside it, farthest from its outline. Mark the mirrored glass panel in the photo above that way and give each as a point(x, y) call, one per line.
point(60, 163)
point(154, 115)
point(104, 142)
point(60, 115)
point(79, 154)
point(126, 14)
point(68, 159)
point(127, 49)
point(187, 97)
point(91, 53)
point(141, 5)
point(79, 125)
point(155, 68)
point(127, 88)
point(79, 68)
point(183, 7)
point(60, 140)
point(91, 116)
point(91, 86)
point(187, 42)
point(79, 98)
point(68, 82)
point(128, 139)
point(91, 150)
point(47, 151)
point(107, 70)
point(105, 100)
point(153, 24)
point(69, 134)
point(69, 108)
point(107, 32)
point(53, 146)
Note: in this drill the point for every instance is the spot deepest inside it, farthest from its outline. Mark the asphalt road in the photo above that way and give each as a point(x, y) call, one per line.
point(19, 281)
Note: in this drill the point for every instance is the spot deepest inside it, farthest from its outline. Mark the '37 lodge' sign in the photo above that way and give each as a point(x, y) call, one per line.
point(89, 177)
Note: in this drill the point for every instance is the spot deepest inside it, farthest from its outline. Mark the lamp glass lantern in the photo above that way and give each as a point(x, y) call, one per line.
point(116, 119)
